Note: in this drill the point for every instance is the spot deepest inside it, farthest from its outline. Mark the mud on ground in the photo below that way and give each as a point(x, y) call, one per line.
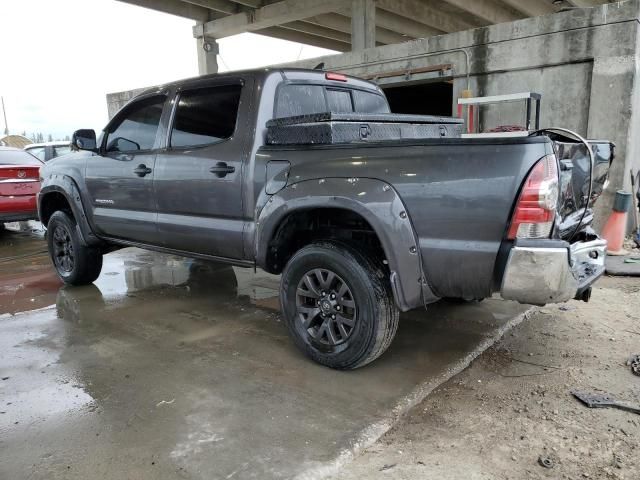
point(513, 405)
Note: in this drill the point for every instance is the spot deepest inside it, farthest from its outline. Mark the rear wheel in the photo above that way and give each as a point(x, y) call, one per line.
point(338, 305)
point(75, 263)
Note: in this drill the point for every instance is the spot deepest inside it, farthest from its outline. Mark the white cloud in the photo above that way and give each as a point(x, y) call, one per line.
point(58, 59)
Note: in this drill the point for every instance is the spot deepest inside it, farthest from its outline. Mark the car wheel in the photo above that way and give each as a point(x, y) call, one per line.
point(338, 305)
point(75, 263)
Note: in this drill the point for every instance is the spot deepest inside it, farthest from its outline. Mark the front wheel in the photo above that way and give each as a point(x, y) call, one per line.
point(75, 262)
point(338, 305)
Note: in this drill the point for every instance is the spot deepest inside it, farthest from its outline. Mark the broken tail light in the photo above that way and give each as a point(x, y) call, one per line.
point(535, 211)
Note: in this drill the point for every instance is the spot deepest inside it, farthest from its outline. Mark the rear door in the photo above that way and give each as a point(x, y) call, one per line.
point(198, 180)
point(120, 179)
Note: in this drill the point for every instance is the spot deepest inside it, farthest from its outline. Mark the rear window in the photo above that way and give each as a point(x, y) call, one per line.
point(38, 152)
point(339, 101)
point(18, 157)
point(294, 100)
point(366, 102)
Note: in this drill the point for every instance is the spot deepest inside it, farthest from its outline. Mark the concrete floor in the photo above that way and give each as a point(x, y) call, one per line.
point(174, 368)
point(514, 405)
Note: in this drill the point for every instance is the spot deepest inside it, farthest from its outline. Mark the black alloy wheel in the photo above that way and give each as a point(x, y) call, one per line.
point(337, 304)
point(63, 255)
point(326, 307)
point(76, 263)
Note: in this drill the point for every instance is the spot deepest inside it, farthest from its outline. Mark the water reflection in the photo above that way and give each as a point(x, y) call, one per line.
point(28, 282)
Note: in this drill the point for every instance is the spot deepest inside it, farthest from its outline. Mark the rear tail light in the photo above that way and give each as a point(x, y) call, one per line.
point(536, 208)
point(20, 173)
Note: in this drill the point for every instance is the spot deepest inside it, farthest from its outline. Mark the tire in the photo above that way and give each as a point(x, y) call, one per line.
point(74, 262)
point(366, 318)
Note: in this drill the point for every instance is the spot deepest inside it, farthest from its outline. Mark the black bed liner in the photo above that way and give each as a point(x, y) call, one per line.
point(336, 128)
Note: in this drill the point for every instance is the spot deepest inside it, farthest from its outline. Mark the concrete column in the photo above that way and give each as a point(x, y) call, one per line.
point(363, 24)
point(208, 50)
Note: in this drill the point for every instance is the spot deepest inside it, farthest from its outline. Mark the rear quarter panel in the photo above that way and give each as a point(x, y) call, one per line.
point(458, 193)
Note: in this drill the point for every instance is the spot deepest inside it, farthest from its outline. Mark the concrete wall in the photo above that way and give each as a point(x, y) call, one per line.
point(584, 62)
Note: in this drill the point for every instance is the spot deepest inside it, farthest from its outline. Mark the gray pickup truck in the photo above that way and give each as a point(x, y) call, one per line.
point(257, 169)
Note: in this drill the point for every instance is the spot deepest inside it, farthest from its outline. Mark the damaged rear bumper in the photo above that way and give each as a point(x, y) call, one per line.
point(549, 271)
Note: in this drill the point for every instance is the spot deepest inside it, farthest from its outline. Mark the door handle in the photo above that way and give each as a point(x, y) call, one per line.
point(221, 169)
point(142, 170)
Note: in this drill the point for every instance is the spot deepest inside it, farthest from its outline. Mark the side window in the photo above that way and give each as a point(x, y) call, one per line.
point(61, 150)
point(137, 128)
point(339, 101)
point(37, 152)
point(205, 116)
point(366, 102)
point(294, 100)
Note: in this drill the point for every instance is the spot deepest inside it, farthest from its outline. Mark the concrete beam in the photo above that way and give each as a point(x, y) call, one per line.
point(430, 15)
point(268, 16)
point(487, 10)
point(342, 23)
point(403, 25)
point(253, 3)
point(173, 7)
point(363, 24)
point(318, 30)
point(222, 6)
point(305, 38)
point(532, 8)
point(586, 3)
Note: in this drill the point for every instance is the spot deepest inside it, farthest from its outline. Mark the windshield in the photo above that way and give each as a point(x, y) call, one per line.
point(18, 157)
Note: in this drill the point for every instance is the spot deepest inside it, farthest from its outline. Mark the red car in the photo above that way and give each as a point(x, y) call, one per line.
point(19, 185)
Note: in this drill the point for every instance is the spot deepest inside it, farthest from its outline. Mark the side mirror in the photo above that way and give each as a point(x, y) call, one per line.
point(84, 139)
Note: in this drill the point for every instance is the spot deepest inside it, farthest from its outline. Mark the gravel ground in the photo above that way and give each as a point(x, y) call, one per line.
point(513, 406)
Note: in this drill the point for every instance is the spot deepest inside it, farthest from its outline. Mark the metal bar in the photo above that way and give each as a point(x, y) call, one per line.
point(512, 97)
point(408, 71)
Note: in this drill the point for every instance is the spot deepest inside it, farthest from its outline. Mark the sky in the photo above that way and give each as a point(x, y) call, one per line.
point(59, 59)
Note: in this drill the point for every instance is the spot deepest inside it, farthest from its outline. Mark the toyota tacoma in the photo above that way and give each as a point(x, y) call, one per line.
point(363, 213)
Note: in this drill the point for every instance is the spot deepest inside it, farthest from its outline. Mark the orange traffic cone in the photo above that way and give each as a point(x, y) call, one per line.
point(616, 227)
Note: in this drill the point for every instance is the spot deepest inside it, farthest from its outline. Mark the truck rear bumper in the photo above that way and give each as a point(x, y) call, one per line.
point(539, 274)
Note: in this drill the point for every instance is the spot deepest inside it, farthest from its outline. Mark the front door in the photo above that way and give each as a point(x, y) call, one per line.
point(120, 179)
point(198, 178)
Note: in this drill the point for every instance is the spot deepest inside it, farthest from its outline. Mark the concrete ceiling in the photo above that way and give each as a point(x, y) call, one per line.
point(327, 23)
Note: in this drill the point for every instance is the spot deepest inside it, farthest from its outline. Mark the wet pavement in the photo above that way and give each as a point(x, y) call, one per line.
point(168, 367)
